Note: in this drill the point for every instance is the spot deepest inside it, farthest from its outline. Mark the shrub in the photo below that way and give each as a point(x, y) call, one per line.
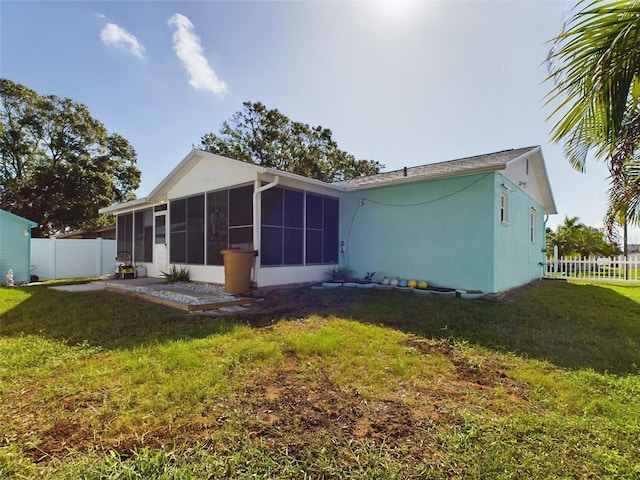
point(176, 274)
point(338, 273)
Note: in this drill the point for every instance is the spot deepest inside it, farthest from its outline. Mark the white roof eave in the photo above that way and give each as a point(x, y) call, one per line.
point(125, 206)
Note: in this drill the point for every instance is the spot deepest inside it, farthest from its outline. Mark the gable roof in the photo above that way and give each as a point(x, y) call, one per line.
point(196, 155)
point(185, 167)
point(158, 194)
point(14, 217)
point(490, 162)
point(452, 168)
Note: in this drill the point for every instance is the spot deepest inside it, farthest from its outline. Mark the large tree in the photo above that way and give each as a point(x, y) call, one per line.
point(59, 165)
point(595, 67)
point(269, 138)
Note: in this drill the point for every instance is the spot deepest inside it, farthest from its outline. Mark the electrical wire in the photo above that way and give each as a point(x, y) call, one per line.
point(345, 257)
point(428, 201)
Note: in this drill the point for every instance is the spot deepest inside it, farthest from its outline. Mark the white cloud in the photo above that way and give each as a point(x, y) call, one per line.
point(116, 36)
point(189, 49)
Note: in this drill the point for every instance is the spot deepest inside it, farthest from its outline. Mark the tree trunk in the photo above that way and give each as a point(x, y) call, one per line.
point(625, 247)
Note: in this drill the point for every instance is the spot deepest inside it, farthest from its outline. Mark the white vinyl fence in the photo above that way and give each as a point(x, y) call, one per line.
point(618, 269)
point(68, 258)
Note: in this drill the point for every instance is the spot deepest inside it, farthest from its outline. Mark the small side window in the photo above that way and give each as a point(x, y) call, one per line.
point(532, 225)
point(504, 208)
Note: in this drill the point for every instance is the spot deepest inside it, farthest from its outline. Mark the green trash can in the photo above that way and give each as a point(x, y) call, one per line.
point(237, 271)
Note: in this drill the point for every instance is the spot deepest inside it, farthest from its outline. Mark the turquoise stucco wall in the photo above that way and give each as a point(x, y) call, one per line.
point(15, 247)
point(441, 231)
point(517, 258)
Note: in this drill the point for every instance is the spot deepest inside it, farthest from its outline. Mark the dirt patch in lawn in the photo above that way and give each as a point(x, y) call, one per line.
point(287, 409)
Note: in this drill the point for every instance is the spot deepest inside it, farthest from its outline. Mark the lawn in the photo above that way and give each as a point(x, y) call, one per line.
point(323, 384)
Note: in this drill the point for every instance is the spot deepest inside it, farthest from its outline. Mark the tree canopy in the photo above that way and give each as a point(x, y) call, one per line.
point(595, 68)
point(577, 239)
point(59, 165)
point(270, 139)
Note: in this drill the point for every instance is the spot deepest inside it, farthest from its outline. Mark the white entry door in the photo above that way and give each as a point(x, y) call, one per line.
point(160, 254)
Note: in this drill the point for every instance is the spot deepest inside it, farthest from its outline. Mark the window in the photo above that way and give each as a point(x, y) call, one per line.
point(282, 227)
point(195, 230)
point(241, 218)
point(124, 233)
point(504, 208)
point(161, 229)
point(296, 228)
point(217, 226)
point(229, 222)
point(178, 231)
point(135, 235)
point(143, 235)
point(186, 230)
point(532, 225)
point(322, 229)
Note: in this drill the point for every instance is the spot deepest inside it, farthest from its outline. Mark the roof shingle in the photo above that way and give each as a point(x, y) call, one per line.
point(463, 166)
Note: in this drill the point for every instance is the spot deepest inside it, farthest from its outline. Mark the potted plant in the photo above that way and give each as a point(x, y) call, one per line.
point(367, 281)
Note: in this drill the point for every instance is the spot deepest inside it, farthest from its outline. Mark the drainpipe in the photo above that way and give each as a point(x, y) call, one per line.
point(543, 263)
point(256, 227)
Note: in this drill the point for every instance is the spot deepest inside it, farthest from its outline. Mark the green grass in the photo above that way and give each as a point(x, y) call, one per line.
point(346, 383)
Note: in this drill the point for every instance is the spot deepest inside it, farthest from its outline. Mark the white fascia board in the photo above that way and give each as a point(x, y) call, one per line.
point(300, 178)
point(123, 207)
point(524, 156)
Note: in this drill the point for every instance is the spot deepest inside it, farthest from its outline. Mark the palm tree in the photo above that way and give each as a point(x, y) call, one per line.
point(594, 64)
point(574, 238)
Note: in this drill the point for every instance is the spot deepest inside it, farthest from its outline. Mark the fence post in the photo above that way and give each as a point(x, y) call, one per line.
point(54, 255)
point(99, 256)
point(555, 261)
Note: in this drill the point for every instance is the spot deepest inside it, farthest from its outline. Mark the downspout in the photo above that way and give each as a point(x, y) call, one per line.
point(256, 227)
point(543, 263)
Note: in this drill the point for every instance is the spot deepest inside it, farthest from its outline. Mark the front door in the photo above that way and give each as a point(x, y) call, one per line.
point(160, 257)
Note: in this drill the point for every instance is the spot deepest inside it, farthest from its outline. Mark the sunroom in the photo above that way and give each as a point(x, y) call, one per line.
point(211, 203)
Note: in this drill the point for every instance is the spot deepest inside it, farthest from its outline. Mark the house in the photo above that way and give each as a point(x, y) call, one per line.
point(106, 233)
point(15, 246)
point(633, 250)
point(477, 223)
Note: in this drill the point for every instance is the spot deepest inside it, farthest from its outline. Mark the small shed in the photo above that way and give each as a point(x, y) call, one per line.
point(15, 246)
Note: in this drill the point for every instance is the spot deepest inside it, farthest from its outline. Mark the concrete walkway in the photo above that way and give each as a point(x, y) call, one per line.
point(84, 287)
point(187, 297)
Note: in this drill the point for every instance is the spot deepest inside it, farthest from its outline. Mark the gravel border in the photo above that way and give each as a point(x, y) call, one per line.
point(172, 292)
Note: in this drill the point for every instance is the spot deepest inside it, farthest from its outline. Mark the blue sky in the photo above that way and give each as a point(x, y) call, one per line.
point(404, 83)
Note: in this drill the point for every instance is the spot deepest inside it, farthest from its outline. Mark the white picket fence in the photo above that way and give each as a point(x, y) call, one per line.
point(53, 258)
point(618, 269)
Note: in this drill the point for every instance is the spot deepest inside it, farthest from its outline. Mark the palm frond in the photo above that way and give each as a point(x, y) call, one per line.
point(594, 64)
